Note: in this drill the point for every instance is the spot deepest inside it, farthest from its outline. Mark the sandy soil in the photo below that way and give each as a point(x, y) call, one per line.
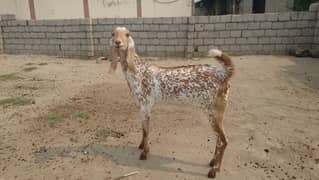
point(69, 119)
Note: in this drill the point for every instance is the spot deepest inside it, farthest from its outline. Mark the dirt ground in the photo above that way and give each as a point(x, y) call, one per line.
point(70, 119)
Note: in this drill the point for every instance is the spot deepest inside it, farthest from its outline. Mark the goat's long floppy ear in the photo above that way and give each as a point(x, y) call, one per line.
point(130, 57)
point(113, 56)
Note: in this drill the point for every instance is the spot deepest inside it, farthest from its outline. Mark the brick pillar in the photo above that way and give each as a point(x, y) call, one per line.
point(3, 22)
point(314, 7)
point(189, 50)
point(1, 38)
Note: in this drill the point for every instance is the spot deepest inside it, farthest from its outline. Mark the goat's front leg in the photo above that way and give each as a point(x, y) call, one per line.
point(144, 142)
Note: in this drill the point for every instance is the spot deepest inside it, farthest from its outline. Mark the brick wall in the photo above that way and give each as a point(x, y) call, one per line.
point(1, 43)
point(3, 19)
point(315, 8)
point(55, 37)
point(272, 33)
point(316, 36)
point(152, 36)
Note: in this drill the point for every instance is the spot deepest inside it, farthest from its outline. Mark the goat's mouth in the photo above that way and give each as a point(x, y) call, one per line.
point(119, 46)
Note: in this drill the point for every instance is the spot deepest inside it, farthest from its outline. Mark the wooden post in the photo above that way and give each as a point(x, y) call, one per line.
point(32, 9)
point(139, 8)
point(86, 9)
point(193, 8)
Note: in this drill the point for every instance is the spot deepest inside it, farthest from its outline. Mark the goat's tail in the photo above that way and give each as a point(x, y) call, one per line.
point(225, 60)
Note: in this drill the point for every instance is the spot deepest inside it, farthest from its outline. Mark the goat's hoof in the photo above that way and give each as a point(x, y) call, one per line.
point(212, 174)
point(143, 156)
point(212, 163)
point(141, 146)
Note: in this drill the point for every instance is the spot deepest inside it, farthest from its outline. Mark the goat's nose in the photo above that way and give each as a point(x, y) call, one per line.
point(117, 42)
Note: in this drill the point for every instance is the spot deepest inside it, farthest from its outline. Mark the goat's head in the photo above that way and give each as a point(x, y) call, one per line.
point(121, 39)
point(122, 44)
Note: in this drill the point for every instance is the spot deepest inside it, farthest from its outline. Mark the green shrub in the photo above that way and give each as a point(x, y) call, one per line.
point(302, 5)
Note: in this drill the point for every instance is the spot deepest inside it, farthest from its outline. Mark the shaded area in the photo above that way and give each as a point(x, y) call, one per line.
point(216, 7)
point(304, 70)
point(259, 6)
point(302, 5)
point(119, 154)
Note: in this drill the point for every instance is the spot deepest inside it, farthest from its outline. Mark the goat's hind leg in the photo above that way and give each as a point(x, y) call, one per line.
point(221, 144)
point(144, 143)
point(213, 161)
point(216, 119)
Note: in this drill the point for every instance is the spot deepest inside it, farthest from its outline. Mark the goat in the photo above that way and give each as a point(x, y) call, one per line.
point(202, 85)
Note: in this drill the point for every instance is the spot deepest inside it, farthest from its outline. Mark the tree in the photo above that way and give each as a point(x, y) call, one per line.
point(302, 5)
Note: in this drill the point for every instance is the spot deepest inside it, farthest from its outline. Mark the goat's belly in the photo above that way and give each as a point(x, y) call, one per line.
point(188, 95)
point(187, 86)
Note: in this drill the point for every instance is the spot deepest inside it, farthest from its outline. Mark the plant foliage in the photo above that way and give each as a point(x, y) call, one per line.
point(302, 5)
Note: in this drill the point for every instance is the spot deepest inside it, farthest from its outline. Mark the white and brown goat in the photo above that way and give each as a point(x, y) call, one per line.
point(203, 85)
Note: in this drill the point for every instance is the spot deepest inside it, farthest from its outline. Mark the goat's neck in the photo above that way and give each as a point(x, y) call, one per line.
point(128, 60)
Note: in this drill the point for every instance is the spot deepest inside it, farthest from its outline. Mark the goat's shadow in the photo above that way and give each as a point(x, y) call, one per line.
point(121, 155)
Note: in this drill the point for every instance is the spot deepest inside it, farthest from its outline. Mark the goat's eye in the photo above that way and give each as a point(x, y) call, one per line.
point(127, 34)
point(112, 34)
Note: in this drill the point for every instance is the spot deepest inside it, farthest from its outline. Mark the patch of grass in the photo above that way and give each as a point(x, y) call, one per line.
point(15, 101)
point(82, 115)
point(63, 112)
point(104, 133)
point(28, 69)
point(57, 115)
point(30, 64)
point(53, 118)
point(43, 64)
point(26, 87)
point(8, 77)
